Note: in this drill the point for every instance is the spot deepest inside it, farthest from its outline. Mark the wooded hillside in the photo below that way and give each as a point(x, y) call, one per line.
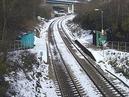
point(116, 17)
point(18, 15)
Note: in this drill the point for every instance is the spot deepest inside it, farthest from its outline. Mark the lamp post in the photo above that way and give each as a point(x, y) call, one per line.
point(102, 31)
point(102, 25)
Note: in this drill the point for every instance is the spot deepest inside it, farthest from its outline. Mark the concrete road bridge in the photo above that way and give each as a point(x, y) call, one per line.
point(66, 4)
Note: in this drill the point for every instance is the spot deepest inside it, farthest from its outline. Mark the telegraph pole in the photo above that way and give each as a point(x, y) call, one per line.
point(4, 21)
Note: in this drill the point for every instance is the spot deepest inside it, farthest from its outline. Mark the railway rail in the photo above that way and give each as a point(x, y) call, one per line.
point(68, 85)
point(106, 87)
point(118, 79)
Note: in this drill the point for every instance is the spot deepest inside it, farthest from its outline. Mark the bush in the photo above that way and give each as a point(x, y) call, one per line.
point(3, 69)
point(3, 88)
point(3, 84)
point(44, 11)
point(14, 15)
point(28, 59)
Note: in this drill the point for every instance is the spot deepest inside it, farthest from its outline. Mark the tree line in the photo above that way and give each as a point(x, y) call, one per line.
point(116, 17)
point(19, 15)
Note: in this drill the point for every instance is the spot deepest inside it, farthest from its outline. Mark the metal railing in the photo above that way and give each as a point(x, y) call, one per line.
point(121, 46)
point(12, 45)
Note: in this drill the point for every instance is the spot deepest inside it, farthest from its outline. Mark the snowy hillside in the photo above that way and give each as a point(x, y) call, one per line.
point(36, 82)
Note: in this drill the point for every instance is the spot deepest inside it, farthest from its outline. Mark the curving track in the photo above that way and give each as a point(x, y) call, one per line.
point(106, 87)
point(68, 85)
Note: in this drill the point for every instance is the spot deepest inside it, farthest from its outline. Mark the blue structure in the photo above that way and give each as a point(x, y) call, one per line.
point(27, 40)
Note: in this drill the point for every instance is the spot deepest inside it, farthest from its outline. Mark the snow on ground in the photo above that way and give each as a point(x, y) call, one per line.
point(40, 85)
point(75, 67)
point(47, 85)
point(66, 29)
point(83, 35)
point(103, 57)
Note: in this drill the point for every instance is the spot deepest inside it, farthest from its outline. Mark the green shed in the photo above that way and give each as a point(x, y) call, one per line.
point(100, 39)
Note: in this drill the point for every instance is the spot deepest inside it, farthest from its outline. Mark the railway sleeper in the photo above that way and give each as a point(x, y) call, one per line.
point(57, 89)
point(80, 87)
point(77, 82)
point(59, 94)
point(118, 95)
point(73, 87)
point(81, 90)
point(76, 94)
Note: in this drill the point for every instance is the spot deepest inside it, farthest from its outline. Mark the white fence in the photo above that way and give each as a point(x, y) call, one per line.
point(121, 46)
point(11, 45)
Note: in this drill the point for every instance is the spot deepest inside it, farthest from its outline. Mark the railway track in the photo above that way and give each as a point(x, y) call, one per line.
point(66, 82)
point(106, 87)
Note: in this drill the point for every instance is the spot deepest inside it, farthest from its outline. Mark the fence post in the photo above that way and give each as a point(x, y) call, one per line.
point(118, 45)
point(14, 46)
point(112, 44)
point(125, 47)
